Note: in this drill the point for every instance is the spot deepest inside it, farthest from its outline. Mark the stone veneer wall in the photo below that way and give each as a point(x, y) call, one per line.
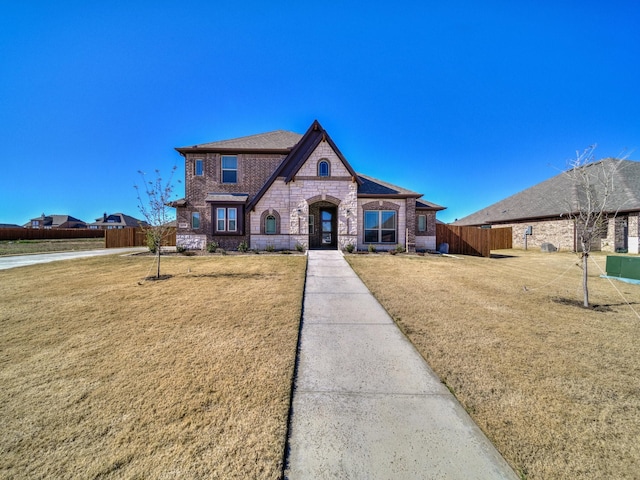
point(634, 232)
point(559, 232)
point(292, 201)
point(191, 242)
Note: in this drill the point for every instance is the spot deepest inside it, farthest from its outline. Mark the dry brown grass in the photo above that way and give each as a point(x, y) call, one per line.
point(556, 387)
point(24, 247)
point(188, 377)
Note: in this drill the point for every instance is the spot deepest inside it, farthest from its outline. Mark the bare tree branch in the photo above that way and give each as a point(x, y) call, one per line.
point(156, 209)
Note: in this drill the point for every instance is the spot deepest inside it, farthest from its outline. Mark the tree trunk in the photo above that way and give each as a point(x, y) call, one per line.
point(585, 288)
point(158, 255)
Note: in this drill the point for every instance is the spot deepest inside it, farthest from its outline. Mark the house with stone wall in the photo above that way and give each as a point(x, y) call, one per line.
point(543, 213)
point(281, 189)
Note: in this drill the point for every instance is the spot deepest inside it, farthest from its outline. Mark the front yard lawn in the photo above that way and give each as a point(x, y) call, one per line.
point(556, 387)
point(107, 376)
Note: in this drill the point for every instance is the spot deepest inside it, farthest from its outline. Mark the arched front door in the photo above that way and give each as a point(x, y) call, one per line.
point(324, 232)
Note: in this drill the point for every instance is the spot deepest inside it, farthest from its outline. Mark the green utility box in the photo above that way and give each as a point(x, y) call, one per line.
point(623, 267)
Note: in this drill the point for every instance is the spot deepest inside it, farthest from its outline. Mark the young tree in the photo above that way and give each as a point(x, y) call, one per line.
point(592, 186)
point(153, 202)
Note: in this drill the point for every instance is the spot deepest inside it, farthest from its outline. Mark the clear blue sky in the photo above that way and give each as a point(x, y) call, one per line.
point(465, 102)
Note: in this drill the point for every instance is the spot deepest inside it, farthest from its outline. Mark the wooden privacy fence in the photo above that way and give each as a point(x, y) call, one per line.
point(473, 240)
point(48, 233)
point(133, 237)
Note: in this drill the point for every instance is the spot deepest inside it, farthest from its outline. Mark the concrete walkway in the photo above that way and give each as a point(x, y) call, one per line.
point(366, 405)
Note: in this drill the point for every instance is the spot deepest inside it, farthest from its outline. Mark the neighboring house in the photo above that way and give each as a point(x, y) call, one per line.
point(282, 189)
point(544, 211)
point(10, 225)
point(55, 221)
point(115, 221)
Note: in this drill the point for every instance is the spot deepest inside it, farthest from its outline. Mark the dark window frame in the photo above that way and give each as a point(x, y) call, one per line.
point(379, 234)
point(239, 209)
point(321, 172)
point(230, 172)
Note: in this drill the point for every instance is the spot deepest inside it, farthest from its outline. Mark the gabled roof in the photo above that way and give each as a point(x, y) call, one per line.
point(424, 205)
point(118, 219)
point(559, 196)
point(372, 187)
point(298, 155)
point(56, 220)
point(303, 150)
point(278, 141)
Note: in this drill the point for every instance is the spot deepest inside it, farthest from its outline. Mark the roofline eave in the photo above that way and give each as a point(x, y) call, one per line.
point(431, 209)
point(185, 150)
point(556, 216)
point(389, 195)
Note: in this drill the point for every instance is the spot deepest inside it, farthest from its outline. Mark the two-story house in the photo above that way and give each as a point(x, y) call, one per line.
point(55, 221)
point(114, 221)
point(283, 189)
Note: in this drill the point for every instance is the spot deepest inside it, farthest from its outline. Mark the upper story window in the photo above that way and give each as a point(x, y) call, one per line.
point(324, 169)
point(229, 169)
point(198, 167)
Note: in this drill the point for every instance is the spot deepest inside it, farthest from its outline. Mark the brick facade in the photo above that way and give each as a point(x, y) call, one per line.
point(561, 233)
point(425, 240)
point(299, 191)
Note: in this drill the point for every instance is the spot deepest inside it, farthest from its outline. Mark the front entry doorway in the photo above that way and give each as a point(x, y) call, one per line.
point(324, 233)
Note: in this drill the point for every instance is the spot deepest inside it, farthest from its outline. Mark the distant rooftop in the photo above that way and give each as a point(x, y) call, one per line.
point(558, 196)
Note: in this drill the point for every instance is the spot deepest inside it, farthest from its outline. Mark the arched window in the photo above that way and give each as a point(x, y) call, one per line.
point(323, 168)
point(270, 225)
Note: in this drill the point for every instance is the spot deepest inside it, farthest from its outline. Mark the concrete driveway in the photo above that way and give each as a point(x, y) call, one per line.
point(24, 260)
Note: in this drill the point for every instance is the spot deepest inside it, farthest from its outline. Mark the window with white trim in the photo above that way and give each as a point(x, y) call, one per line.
point(195, 220)
point(422, 223)
point(380, 226)
point(229, 169)
point(226, 219)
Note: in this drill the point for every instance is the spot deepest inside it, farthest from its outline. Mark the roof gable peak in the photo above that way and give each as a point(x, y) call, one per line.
point(299, 154)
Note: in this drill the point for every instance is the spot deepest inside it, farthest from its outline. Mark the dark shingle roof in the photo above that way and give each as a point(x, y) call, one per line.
point(276, 140)
point(118, 219)
point(56, 220)
point(373, 186)
point(559, 196)
point(424, 205)
point(298, 155)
